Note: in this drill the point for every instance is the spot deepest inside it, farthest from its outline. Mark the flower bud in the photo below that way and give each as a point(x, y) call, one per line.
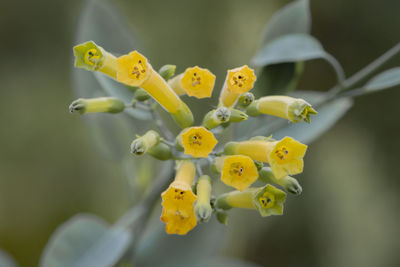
point(94, 105)
point(215, 117)
point(141, 95)
point(293, 109)
point(92, 57)
point(245, 100)
point(222, 217)
point(142, 144)
point(289, 183)
point(202, 208)
point(160, 151)
point(237, 115)
point(167, 71)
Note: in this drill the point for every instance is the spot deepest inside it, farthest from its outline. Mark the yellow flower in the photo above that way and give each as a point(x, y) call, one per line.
point(237, 82)
point(92, 57)
point(285, 156)
point(197, 141)
point(237, 171)
point(195, 81)
point(293, 109)
point(178, 201)
point(268, 200)
point(202, 208)
point(135, 70)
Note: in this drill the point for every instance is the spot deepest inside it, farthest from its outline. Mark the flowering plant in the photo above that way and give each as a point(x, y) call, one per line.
point(257, 133)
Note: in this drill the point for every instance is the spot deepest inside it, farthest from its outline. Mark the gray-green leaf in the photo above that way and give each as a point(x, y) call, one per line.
point(6, 260)
point(85, 241)
point(388, 78)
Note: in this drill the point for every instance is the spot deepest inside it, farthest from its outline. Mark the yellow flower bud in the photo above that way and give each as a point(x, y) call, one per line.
point(178, 200)
point(94, 105)
point(284, 156)
point(197, 141)
point(289, 183)
point(293, 109)
point(203, 209)
point(142, 144)
point(135, 70)
point(195, 81)
point(238, 81)
point(237, 171)
point(92, 57)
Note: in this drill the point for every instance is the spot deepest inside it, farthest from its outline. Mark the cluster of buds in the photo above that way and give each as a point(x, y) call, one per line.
point(189, 198)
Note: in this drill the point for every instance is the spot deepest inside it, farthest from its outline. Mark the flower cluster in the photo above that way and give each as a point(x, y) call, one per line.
point(239, 165)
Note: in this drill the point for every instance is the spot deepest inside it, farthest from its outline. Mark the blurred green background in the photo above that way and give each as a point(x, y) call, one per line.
point(349, 210)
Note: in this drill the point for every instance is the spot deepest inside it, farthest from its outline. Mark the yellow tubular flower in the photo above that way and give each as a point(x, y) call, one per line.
point(237, 82)
point(285, 156)
point(203, 209)
point(92, 57)
point(293, 109)
point(178, 201)
point(237, 171)
point(197, 141)
point(135, 70)
point(196, 81)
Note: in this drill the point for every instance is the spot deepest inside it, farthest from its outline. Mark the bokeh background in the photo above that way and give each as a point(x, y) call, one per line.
point(49, 170)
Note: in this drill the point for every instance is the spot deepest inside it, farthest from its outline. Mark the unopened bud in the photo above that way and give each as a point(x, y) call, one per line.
point(160, 151)
point(142, 144)
point(167, 71)
point(202, 208)
point(245, 100)
point(141, 95)
point(289, 183)
point(94, 105)
point(237, 115)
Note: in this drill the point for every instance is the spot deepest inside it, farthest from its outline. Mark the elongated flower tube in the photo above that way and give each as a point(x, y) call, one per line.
point(237, 171)
point(293, 109)
point(142, 144)
point(195, 81)
point(289, 183)
point(202, 208)
point(178, 201)
point(268, 200)
point(238, 81)
point(92, 57)
point(135, 70)
point(285, 156)
point(95, 105)
point(197, 142)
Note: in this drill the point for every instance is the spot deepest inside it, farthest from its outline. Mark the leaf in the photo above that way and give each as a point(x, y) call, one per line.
point(85, 241)
point(388, 78)
point(328, 115)
point(6, 260)
point(293, 18)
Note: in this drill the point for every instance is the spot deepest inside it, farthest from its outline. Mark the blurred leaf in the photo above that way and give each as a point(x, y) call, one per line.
point(293, 18)
point(201, 243)
point(6, 260)
point(388, 78)
point(328, 115)
point(280, 78)
point(85, 241)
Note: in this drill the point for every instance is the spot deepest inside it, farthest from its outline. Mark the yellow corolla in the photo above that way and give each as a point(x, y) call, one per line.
point(238, 81)
point(195, 81)
point(178, 201)
point(135, 70)
point(293, 109)
point(197, 141)
point(237, 171)
point(285, 156)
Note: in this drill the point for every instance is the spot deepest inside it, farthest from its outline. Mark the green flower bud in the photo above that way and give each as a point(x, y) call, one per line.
point(289, 183)
point(95, 105)
point(259, 164)
point(237, 115)
point(167, 71)
point(160, 151)
point(215, 117)
point(141, 95)
point(142, 144)
point(222, 217)
point(202, 208)
point(245, 100)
